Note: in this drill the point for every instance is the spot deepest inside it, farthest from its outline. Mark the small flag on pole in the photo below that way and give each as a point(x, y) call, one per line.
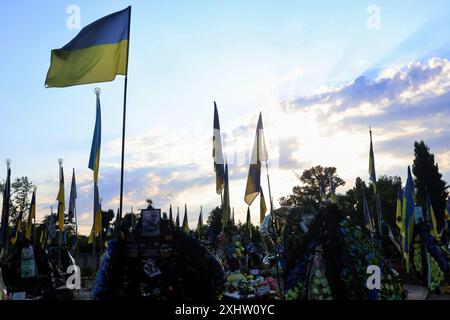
point(367, 216)
point(200, 221)
point(259, 154)
point(5, 208)
point(185, 220)
point(398, 214)
point(61, 198)
point(97, 54)
point(31, 216)
point(73, 197)
point(218, 153)
point(408, 208)
point(249, 223)
point(431, 218)
point(177, 222)
point(373, 176)
point(170, 214)
point(17, 229)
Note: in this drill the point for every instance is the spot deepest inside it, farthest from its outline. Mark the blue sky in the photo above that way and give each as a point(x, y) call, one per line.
point(249, 56)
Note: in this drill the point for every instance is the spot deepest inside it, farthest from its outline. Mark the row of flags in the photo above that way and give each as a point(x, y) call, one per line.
point(407, 209)
point(253, 186)
point(185, 226)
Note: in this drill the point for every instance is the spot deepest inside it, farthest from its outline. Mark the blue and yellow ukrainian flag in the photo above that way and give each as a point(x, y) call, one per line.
point(61, 197)
point(94, 159)
point(431, 217)
point(17, 229)
point(373, 176)
point(218, 152)
point(408, 217)
point(259, 154)
point(97, 54)
point(94, 164)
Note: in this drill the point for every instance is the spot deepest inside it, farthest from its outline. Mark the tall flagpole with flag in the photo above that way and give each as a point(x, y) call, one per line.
point(94, 165)
point(5, 210)
point(72, 213)
point(373, 180)
point(219, 160)
point(98, 53)
point(31, 219)
point(61, 208)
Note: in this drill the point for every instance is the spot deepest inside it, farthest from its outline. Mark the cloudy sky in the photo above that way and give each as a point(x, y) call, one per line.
point(320, 73)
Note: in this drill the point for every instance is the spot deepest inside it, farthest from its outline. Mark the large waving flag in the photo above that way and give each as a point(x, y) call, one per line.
point(259, 154)
point(218, 153)
point(408, 216)
point(373, 176)
point(368, 221)
point(98, 221)
point(226, 208)
point(73, 198)
point(97, 54)
point(5, 209)
point(430, 216)
point(61, 199)
point(31, 216)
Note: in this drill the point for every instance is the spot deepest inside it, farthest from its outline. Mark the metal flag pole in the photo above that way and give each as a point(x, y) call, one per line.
point(272, 218)
point(124, 118)
point(34, 221)
point(60, 161)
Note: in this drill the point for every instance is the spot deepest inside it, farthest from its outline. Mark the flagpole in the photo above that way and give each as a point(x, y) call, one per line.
point(60, 231)
point(124, 118)
point(274, 231)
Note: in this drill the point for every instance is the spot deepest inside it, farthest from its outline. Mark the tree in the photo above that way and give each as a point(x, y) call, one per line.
point(308, 193)
point(214, 221)
point(427, 176)
point(387, 189)
point(21, 189)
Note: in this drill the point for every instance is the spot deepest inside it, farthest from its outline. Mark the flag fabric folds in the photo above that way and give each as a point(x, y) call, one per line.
point(17, 229)
point(5, 209)
point(72, 199)
point(373, 176)
point(431, 217)
point(408, 209)
point(97, 54)
point(368, 221)
point(61, 199)
point(94, 159)
point(218, 153)
point(185, 220)
point(170, 214)
point(177, 222)
point(259, 154)
point(94, 164)
point(31, 216)
point(226, 209)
